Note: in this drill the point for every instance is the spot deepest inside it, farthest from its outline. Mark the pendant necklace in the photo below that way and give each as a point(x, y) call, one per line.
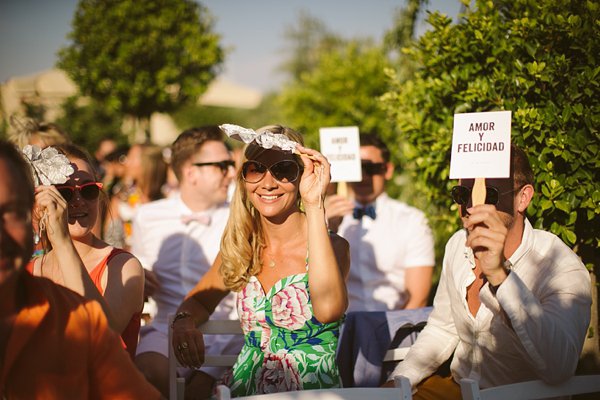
point(272, 263)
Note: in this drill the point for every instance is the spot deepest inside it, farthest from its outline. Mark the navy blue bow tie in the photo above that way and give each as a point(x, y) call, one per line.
point(368, 211)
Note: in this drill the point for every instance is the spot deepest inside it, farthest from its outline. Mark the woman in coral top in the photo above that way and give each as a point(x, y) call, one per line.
point(75, 258)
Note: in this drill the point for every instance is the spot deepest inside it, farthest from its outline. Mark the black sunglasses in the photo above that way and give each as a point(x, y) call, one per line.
point(285, 171)
point(462, 194)
point(223, 165)
point(373, 168)
point(89, 191)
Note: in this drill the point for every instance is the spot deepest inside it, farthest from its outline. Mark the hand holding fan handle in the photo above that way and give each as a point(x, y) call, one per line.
point(479, 192)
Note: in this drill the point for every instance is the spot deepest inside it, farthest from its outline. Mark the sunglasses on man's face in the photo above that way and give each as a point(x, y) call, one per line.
point(373, 168)
point(285, 171)
point(89, 191)
point(223, 165)
point(462, 194)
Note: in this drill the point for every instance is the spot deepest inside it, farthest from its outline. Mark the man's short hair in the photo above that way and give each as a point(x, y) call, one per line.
point(372, 139)
point(189, 143)
point(11, 153)
point(521, 169)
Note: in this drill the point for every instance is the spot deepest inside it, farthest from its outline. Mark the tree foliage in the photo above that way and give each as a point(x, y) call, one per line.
point(541, 61)
point(342, 90)
point(90, 122)
point(142, 56)
point(305, 42)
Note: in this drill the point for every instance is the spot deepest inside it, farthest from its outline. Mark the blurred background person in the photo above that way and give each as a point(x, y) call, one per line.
point(391, 244)
point(145, 173)
point(104, 148)
point(29, 131)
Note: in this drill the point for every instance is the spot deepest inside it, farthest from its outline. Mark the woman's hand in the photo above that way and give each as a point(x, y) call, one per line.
point(188, 343)
point(50, 203)
point(315, 178)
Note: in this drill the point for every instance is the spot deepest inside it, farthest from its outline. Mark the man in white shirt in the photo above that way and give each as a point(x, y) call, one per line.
point(391, 244)
point(513, 302)
point(177, 239)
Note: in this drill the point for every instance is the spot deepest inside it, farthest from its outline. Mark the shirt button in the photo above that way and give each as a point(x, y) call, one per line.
point(477, 336)
point(476, 369)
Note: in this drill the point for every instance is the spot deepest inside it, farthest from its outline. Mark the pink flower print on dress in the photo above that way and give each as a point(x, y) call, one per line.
point(245, 305)
point(279, 373)
point(290, 307)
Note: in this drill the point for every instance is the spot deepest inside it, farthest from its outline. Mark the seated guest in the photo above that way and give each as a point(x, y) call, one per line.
point(391, 244)
point(54, 344)
point(513, 303)
point(288, 271)
point(74, 257)
point(177, 239)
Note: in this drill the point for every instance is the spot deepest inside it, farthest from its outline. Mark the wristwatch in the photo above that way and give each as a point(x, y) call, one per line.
point(180, 315)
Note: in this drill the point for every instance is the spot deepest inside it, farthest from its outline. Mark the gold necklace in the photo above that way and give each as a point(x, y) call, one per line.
point(272, 263)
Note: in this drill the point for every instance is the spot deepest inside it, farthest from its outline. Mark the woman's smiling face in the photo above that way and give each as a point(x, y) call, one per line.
point(270, 196)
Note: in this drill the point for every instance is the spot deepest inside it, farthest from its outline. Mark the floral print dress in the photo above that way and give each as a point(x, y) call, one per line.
point(285, 348)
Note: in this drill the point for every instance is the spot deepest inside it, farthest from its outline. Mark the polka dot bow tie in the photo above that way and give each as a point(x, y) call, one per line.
point(369, 211)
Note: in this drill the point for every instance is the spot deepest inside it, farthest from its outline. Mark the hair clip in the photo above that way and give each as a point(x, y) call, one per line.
point(48, 167)
point(264, 139)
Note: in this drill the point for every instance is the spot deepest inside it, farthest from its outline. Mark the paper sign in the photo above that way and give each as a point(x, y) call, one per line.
point(341, 146)
point(481, 145)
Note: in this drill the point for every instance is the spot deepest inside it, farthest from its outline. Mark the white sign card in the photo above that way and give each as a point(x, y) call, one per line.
point(341, 146)
point(481, 145)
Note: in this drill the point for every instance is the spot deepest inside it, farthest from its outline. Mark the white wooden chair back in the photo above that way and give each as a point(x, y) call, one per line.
point(531, 390)
point(400, 392)
point(211, 327)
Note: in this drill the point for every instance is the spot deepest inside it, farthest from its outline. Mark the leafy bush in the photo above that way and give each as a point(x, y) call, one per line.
point(537, 59)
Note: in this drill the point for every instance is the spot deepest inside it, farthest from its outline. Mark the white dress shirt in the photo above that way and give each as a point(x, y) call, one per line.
point(178, 253)
point(381, 250)
point(533, 328)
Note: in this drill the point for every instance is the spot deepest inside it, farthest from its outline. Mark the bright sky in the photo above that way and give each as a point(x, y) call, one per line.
point(32, 31)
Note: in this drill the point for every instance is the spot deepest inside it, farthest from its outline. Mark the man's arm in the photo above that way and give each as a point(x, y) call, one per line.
point(437, 340)
point(419, 259)
point(551, 329)
point(550, 324)
point(417, 281)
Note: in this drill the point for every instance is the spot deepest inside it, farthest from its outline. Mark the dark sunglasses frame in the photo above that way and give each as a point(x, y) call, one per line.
point(223, 165)
point(89, 191)
point(274, 169)
point(373, 168)
point(460, 193)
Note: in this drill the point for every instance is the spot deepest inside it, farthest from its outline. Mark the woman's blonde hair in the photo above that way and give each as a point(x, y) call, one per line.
point(26, 129)
point(243, 238)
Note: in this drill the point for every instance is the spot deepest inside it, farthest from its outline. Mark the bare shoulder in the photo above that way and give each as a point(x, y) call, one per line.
point(126, 261)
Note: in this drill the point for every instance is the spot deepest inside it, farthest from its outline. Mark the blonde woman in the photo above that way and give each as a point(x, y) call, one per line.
point(289, 273)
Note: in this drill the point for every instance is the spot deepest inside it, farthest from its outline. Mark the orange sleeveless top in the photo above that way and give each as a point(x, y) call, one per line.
point(129, 337)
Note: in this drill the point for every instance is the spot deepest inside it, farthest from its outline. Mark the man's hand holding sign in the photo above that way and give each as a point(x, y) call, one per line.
point(342, 148)
point(480, 150)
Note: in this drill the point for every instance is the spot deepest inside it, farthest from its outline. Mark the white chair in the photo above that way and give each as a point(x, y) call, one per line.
point(400, 392)
point(211, 327)
point(530, 390)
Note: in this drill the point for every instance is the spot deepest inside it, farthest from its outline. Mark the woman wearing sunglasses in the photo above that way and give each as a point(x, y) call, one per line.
point(74, 257)
point(288, 271)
